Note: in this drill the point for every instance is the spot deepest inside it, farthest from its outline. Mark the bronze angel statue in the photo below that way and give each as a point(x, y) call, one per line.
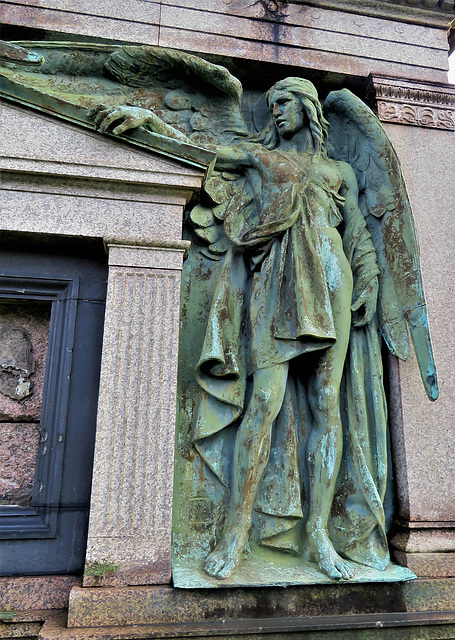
point(304, 262)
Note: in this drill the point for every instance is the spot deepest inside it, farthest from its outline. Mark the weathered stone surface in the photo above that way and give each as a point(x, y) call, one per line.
point(423, 433)
point(380, 38)
point(291, 34)
point(39, 143)
point(428, 565)
point(400, 626)
point(34, 320)
point(18, 450)
point(418, 104)
point(413, 540)
point(146, 256)
point(130, 516)
point(164, 605)
point(130, 203)
point(35, 592)
point(25, 630)
point(16, 361)
point(423, 437)
point(105, 20)
point(428, 549)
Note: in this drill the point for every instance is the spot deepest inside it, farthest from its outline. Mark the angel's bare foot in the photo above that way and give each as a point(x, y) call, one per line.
point(224, 559)
point(320, 550)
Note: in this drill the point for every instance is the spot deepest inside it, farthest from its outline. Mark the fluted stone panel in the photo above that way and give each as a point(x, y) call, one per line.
point(130, 514)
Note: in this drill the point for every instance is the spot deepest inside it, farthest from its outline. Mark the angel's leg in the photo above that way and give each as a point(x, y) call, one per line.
point(325, 444)
point(251, 453)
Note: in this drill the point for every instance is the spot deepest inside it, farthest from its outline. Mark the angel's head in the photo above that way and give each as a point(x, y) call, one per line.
point(304, 110)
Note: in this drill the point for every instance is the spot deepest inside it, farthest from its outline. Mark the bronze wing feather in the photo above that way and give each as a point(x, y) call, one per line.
point(356, 136)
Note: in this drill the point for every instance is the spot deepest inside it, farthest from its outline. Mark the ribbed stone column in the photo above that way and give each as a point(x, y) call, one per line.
point(129, 539)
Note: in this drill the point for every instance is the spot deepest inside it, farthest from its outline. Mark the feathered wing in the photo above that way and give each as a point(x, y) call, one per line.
point(200, 99)
point(357, 137)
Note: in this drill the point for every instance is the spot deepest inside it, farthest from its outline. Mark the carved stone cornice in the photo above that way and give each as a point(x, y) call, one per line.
point(436, 5)
point(419, 104)
point(430, 13)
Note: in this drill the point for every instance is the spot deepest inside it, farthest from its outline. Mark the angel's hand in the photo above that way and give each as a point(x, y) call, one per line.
point(127, 118)
point(364, 308)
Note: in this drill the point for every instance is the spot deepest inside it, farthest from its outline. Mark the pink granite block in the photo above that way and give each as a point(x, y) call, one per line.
point(18, 450)
point(32, 319)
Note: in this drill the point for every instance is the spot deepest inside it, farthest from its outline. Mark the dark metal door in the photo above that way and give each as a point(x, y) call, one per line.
point(45, 531)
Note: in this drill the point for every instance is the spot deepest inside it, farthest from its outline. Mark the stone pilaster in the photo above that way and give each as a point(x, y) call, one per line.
point(419, 117)
point(129, 539)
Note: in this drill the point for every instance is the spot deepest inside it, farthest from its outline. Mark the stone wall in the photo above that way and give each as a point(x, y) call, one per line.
point(336, 42)
point(23, 328)
point(347, 38)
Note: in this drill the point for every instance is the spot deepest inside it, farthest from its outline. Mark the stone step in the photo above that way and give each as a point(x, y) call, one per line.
point(402, 626)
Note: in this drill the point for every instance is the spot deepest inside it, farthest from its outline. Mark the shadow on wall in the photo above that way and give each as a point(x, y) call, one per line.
point(452, 54)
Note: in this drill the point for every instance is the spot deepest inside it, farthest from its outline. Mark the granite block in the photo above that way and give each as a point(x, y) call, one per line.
point(129, 539)
point(86, 22)
point(34, 319)
point(35, 592)
point(18, 450)
point(165, 605)
point(422, 432)
point(325, 35)
point(428, 565)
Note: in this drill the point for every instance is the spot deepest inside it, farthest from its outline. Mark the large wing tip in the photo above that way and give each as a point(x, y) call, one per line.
point(430, 383)
point(418, 327)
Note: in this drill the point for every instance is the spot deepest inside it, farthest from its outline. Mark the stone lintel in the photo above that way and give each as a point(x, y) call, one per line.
point(420, 104)
point(345, 37)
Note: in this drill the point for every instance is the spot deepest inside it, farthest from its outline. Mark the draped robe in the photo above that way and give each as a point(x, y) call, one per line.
point(271, 304)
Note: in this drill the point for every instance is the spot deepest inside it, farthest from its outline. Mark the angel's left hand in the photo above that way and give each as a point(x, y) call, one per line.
point(364, 308)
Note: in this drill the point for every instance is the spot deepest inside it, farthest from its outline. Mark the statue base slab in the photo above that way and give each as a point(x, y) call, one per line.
point(268, 567)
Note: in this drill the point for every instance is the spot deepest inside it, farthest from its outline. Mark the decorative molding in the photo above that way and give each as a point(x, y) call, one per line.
point(429, 13)
point(417, 115)
point(413, 103)
point(436, 5)
point(40, 519)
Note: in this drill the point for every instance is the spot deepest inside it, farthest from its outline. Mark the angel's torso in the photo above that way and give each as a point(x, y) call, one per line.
point(278, 177)
point(282, 172)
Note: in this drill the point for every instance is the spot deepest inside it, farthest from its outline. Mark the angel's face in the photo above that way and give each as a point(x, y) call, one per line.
point(287, 112)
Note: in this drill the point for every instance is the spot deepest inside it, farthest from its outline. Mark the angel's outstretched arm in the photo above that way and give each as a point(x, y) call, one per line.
point(130, 118)
point(229, 158)
point(363, 262)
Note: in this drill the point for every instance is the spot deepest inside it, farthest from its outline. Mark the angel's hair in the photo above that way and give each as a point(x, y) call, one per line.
point(307, 95)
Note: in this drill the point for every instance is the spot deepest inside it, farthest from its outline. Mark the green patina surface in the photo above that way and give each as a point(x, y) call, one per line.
point(303, 260)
